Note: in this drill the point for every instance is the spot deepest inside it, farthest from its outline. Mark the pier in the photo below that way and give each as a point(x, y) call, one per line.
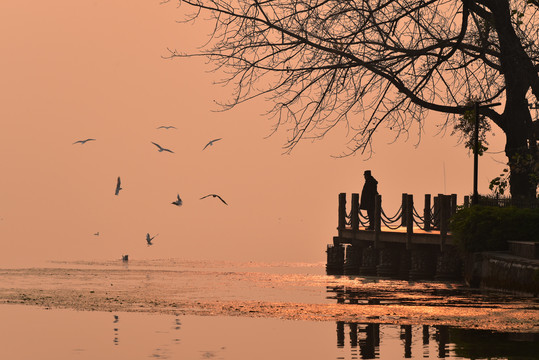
point(409, 244)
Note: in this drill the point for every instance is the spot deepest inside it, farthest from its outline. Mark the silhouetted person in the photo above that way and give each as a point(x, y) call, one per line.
point(369, 346)
point(368, 197)
point(407, 337)
point(442, 336)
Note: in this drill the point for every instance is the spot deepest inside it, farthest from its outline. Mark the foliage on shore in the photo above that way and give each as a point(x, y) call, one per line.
point(488, 228)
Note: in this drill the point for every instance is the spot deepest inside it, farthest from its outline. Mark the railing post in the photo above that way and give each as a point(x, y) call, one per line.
point(403, 202)
point(407, 340)
point(444, 219)
point(426, 212)
point(342, 211)
point(437, 202)
point(354, 212)
point(409, 220)
point(377, 220)
point(453, 204)
point(466, 201)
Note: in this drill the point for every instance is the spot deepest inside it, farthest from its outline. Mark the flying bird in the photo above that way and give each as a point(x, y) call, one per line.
point(178, 202)
point(149, 239)
point(118, 186)
point(210, 143)
point(214, 195)
point(160, 148)
point(82, 142)
point(166, 127)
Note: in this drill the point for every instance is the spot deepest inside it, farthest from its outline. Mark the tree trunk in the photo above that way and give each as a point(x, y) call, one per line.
point(522, 160)
point(521, 150)
point(518, 70)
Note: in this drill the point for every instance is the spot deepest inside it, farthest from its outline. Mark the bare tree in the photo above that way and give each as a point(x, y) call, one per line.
point(381, 63)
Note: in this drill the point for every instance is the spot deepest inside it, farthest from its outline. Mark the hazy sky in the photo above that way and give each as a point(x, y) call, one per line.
point(74, 70)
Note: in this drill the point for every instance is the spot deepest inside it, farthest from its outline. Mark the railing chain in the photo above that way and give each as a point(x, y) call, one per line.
point(365, 217)
point(395, 217)
point(387, 224)
point(416, 214)
point(420, 225)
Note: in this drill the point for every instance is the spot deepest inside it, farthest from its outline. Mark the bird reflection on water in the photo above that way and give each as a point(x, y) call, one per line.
point(116, 339)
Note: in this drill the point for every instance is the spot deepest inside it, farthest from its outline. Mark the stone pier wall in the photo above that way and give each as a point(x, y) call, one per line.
point(503, 271)
point(394, 260)
point(496, 270)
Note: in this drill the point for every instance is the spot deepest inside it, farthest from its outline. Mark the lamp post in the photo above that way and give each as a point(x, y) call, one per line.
point(475, 196)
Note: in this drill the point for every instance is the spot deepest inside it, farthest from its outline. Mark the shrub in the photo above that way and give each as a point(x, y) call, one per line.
point(488, 228)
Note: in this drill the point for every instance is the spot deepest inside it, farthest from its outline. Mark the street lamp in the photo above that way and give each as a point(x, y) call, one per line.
point(475, 196)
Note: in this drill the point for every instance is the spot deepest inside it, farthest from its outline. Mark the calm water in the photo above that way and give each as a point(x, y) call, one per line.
point(174, 309)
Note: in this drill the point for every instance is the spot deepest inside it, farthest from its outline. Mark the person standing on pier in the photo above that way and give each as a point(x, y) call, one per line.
point(368, 197)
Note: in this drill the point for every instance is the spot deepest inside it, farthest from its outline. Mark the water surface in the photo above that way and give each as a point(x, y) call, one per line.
point(206, 309)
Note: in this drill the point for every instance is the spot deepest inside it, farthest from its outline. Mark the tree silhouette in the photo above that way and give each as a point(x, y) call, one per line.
point(381, 63)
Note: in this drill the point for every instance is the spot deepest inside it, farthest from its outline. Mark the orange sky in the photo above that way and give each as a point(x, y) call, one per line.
point(74, 70)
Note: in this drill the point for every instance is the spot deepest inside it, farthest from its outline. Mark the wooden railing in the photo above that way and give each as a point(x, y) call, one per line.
point(435, 217)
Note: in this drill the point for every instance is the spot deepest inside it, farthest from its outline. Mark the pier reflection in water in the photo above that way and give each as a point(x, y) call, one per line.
point(364, 336)
point(376, 341)
point(360, 340)
point(421, 294)
point(366, 339)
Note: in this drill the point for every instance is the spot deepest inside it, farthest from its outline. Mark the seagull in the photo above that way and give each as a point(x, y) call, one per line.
point(162, 148)
point(210, 143)
point(82, 142)
point(118, 186)
point(178, 202)
point(214, 195)
point(149, 239)
point(166, 127)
